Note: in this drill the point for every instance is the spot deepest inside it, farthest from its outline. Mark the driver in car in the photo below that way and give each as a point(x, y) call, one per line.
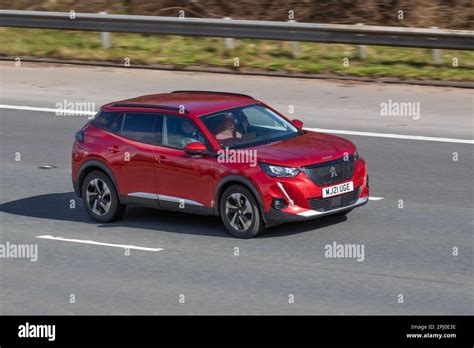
point(226, 128)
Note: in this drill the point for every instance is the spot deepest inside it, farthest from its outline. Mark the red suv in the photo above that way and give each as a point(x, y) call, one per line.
point(214, 153)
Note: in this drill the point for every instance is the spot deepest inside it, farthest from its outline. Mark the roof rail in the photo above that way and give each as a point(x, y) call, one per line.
point(150, 106)
point(214, 92)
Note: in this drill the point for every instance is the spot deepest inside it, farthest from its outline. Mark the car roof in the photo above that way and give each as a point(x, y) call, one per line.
point(194, 103)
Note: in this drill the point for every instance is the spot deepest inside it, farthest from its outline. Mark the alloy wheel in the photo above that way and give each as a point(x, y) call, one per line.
point(239, 212)
point(99, 198)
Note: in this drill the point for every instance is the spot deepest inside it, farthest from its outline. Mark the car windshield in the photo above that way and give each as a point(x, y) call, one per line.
point(248, 126)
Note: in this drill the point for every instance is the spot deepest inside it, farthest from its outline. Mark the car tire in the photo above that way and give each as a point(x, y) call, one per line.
point(100, 198)
point(240, 212)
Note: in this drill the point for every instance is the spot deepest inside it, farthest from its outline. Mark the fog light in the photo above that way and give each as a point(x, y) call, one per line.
point(279, 203)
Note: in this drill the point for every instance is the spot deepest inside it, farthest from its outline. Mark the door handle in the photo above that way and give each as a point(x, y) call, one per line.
point(160, 158)
point(113, 149)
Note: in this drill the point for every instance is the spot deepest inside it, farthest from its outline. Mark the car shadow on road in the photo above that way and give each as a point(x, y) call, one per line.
point(59, 206)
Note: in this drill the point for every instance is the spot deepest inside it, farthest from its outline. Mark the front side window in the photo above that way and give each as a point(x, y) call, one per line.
point(179, 131)
point(143, 127)
point(248, 126)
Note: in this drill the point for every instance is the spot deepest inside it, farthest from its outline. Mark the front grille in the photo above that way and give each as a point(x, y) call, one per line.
point(330, 203)
point(332, 172)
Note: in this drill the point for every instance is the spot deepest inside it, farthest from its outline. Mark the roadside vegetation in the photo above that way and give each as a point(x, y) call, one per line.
point(177, 51)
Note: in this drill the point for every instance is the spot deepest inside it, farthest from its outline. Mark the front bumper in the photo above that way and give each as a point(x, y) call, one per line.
point(300, 194)
point(274, 216)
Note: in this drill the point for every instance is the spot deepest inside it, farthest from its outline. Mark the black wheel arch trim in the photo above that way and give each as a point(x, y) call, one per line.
point(93, 163)
point(244, 182)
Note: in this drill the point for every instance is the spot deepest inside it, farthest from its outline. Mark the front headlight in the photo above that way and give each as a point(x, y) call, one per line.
point(279, 171)
point(356, 155)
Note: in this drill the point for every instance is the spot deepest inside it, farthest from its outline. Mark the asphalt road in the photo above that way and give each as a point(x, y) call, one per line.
point(408, 250)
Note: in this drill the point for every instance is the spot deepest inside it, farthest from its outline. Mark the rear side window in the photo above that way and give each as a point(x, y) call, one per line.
point(143, 127)
point(116, 125)
point(103, 119)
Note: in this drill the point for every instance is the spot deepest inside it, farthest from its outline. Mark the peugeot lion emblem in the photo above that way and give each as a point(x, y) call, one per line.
point(333, 172)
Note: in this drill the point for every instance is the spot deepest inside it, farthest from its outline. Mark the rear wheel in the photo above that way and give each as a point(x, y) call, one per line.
point(240, 212)
point(100, 198)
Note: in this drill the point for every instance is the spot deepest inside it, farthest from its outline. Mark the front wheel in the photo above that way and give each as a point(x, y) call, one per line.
point(240, 212)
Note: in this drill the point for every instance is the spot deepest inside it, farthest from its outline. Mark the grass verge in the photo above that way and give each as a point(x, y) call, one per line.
point(316, 58)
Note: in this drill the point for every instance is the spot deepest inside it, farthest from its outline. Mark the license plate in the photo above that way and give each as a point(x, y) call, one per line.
point(338, 189)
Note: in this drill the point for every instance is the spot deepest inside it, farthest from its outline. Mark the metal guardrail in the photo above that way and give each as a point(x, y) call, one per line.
point(268, 30)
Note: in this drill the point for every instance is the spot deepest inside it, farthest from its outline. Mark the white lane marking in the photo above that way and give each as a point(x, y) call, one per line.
point(333, 131)
point(394, 136)
point(372, 198)
point(98, 243)
point(62, 111)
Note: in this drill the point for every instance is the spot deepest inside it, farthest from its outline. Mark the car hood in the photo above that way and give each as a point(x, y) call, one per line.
point(310, 148)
